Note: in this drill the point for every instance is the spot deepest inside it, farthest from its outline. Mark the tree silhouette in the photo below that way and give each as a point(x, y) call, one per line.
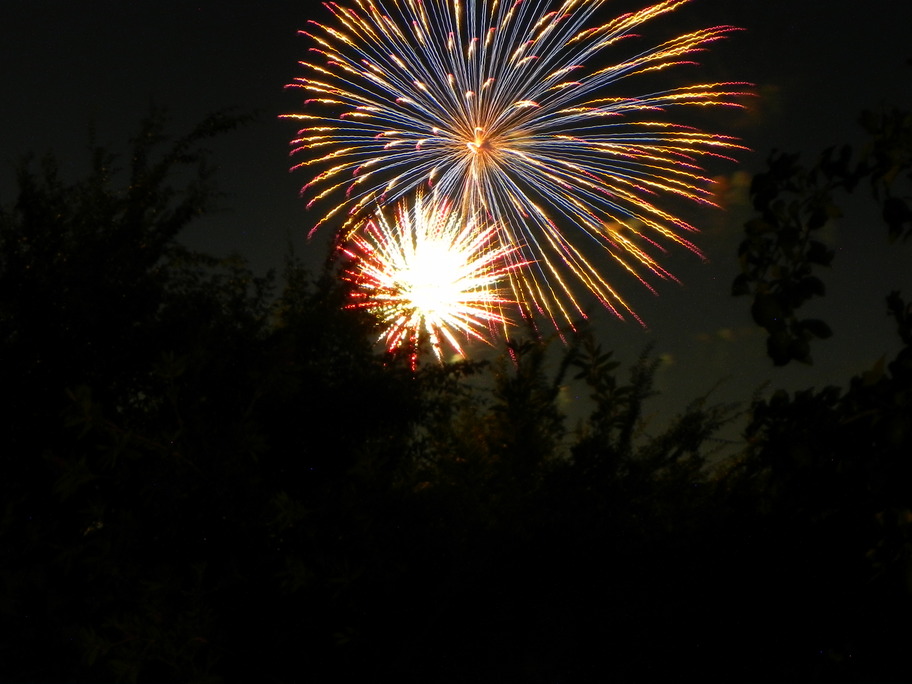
point(821, 466)
point(212, 476)
point(783, 253)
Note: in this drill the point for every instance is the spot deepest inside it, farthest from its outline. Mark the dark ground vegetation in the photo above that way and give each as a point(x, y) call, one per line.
point(211, 476)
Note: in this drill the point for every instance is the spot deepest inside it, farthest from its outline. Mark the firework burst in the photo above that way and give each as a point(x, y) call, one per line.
point(514, 111)
point(430, 274)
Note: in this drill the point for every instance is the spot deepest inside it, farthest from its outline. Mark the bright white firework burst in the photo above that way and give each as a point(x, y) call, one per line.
point(431, 273)
point(509, 109)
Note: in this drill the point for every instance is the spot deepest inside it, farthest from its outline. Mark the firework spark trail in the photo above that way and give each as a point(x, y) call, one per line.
point(430, 272)
point(510, 109)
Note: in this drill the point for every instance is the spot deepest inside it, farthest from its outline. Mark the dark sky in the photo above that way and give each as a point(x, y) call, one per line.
point(816, 64)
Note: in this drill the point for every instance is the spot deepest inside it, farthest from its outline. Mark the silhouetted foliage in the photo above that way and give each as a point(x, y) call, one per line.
point(827, 471)
point(783, 252)
point(820, 479)
point(213, 476)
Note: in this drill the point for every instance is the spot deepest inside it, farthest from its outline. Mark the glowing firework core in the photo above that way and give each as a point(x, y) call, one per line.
point(430, 273)
point(433, 282)
point(480, 144)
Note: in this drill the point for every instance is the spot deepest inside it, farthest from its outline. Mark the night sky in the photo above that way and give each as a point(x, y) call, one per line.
point(816, 64)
